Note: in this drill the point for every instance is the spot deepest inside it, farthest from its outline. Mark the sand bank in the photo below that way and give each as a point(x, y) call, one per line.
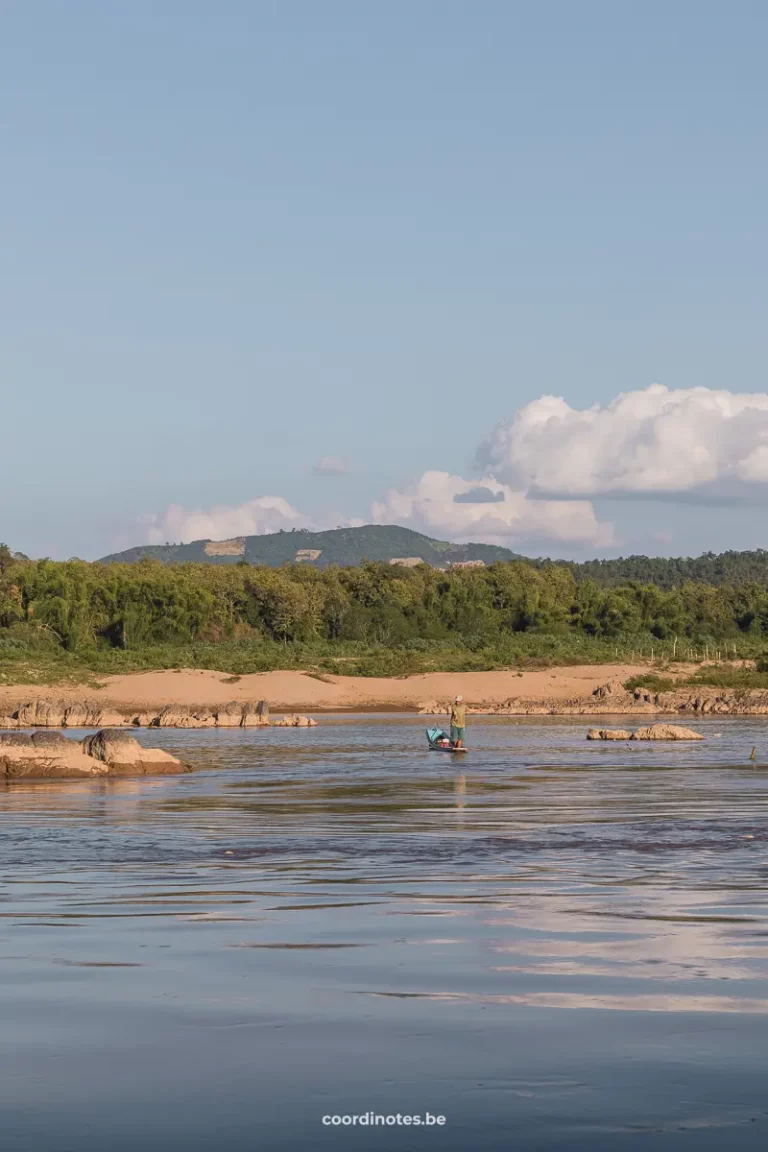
point(300, 691)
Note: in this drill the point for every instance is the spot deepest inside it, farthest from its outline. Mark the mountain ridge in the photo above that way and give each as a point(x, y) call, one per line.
point(345, 547)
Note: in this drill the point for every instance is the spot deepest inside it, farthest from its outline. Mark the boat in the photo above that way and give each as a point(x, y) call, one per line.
point(440, 741)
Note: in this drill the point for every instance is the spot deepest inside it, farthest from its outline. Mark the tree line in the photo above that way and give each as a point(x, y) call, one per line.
point(79, 606)
point(670, 572)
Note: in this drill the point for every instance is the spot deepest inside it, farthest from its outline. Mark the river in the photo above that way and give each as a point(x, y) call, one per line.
point(552, 944)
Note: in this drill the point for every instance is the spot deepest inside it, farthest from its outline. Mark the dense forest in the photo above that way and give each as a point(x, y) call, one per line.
point(375, 616)
point(711, 568)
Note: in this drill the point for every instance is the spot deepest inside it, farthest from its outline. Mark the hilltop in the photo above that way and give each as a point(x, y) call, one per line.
point(345, 547)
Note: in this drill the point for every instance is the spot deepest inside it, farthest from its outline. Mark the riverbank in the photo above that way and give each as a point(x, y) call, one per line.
point(571, 690)
point(303, 691)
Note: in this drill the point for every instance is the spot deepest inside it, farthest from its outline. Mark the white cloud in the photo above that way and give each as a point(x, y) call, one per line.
point(653, 442)
point(537, 470)
point(330, 466)
point(433, 504)
point(180, 525)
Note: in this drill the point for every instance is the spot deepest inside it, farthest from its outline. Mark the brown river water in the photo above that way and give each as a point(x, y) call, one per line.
point(551, 943)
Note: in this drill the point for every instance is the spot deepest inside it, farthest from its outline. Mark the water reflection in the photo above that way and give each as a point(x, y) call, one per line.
point(562, 945)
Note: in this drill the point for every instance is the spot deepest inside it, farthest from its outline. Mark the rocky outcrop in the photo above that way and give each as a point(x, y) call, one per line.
point(653, 732)
point(142, 719)
point(17, 740)
point(76, 715)
point(46, 713)
point(666, 732)
point(179, 716)
point(50, 740)
point(722, 702)
point(49, 755)
point(172, 716)
point(124, 756)
point(613, 699)
point(609, 734)
point(255, 715)
point(39, 713)
point(25, 758)
point(610, 690)
point(104, 718)
point(229, 715)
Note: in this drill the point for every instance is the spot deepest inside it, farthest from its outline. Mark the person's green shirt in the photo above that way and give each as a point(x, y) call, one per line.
point(458, 715)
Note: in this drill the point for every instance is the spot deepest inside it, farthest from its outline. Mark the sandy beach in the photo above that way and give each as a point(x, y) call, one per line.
point(293, 691)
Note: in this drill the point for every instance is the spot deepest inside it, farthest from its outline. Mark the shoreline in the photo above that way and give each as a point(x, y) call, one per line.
point(293, 690)
point(573, 690)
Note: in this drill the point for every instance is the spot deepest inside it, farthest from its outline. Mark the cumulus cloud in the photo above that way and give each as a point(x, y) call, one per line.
point(653, 442)
point(537, 470)
point(330, 466)
point(437, 504)
point(180, 525)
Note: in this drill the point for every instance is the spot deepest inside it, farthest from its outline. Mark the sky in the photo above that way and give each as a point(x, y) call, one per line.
point(492, 270)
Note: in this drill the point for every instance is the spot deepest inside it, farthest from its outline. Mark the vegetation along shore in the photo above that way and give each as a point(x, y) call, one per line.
point(372, 635)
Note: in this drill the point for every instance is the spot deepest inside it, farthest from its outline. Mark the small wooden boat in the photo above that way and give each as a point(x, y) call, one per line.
point(439, 741)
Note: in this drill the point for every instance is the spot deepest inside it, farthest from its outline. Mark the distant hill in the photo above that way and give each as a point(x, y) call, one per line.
point(349, 546)
point(343, 546)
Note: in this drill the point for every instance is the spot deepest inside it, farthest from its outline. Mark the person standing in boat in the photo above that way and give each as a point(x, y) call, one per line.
point(458, 722)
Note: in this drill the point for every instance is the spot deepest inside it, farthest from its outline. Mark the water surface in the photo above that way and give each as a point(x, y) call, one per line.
point(555, 944)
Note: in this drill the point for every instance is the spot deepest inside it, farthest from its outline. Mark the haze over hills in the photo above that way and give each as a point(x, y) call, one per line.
point(343, 546)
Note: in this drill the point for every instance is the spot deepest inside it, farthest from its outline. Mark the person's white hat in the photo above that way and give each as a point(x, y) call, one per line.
point(458, 699)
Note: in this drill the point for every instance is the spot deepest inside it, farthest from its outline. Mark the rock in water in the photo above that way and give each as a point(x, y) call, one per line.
point(666, 732)
point(22, 757)
point(41, 713)
point(49, 755)
point(55, 714)
point(293, 721)
point(252, 717)
point(16, 740)
point(104, 718)
point(51, 740)
point(76, 716)
point(124, 756)
point(179, 716)
point(230, 715)
point(172, 716)
point(203, 719)
point(609, 734)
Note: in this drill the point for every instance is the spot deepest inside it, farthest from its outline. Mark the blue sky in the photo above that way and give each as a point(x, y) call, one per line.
point(236, 238)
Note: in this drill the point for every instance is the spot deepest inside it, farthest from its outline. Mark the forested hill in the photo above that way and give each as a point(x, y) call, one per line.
point(348, 547)
point(345, 547)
